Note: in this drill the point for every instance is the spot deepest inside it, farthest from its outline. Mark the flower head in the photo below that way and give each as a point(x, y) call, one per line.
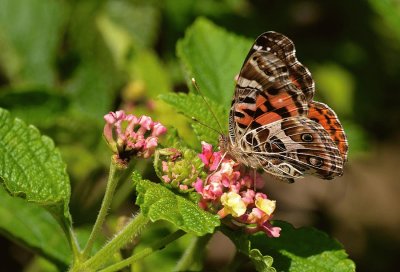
point(128, 135)
point(179, 168)
point(230, 192)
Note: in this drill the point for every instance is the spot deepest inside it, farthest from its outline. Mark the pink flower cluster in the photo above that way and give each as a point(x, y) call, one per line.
point(229, 191)
point(129, 136)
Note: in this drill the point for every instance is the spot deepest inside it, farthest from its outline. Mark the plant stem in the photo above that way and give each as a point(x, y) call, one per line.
point(194, 254)
point(126, 188)
point(65, 224)
point(118, 242)
point(145, 252)
point(74, 246)
point(112, 182)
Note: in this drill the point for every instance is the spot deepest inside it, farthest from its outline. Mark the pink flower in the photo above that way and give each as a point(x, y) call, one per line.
point(248, 196)
point(158, 129)
point(270, 230)
point(130, 136)
point(146, 123)
point(230, 191)
point(209, 157)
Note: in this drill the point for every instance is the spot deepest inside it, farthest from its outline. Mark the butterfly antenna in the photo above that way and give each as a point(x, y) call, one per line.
point(207, 126)
point(208, 105)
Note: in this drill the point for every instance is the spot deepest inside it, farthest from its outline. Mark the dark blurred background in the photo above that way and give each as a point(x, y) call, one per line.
point(64, 64)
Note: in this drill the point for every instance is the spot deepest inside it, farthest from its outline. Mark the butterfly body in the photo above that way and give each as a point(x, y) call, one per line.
point(274, 124)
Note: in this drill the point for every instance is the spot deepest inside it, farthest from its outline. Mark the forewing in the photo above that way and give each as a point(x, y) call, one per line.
point(281, 46)
point(264, 94)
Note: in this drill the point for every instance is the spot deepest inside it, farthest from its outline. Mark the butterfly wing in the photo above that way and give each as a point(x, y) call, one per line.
point(264, 94)
point(270, 125)
point(282, 47)
point(292, 147)
point(327, 118)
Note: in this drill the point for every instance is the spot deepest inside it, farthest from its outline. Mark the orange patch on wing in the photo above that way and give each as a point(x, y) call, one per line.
point(246, 120)
point(281, 100)
point(263, 108)
point(260, 100)
point(268, 117)
point(260, 103)
point(293, 110)
point(326, 118)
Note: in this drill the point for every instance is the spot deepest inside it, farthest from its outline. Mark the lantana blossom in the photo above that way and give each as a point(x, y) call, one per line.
point(129, 136)
point(178, 168)
point(229, 191)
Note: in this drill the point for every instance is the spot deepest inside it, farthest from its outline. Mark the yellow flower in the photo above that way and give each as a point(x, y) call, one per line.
point(233, 204)
point(266, 205)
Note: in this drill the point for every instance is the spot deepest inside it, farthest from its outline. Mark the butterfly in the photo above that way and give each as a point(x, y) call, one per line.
point(274, 123)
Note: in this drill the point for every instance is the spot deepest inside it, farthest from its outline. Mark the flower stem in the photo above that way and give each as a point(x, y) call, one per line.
point(194, 254)
point(119, 241)
point(112, 182)
point(145, 252)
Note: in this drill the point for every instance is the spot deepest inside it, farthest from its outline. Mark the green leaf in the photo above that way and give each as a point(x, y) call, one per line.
point(146, 67)
point(243, 245)
point(34, 106)
point(92, 84)
point(194, 106)
point(34, 227)
point(261, 263)
point(159, 203)
point(213, 56)
point(390, 14)
point(304, 249)
point(30, 32)
point(90, 91)
point(139, 21)
point(31, 167)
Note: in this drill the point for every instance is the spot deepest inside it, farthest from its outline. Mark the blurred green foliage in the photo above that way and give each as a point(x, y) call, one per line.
point(64, 64)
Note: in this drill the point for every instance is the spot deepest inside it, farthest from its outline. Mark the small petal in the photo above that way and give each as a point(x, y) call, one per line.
point(108, 134)
point(206, 148)
point(256, 216)
point(198, 185)
point(146, 122)
point(270, 230)
point(266, 205)
point(150, 142)
point(248, 196)
point(216, 159)
point(164, 166)
point(233, 204)
point(110, 118)
point(212, 191)
point(158, 129)
point(204, 159)
point(227, 167)
point(166, 178)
